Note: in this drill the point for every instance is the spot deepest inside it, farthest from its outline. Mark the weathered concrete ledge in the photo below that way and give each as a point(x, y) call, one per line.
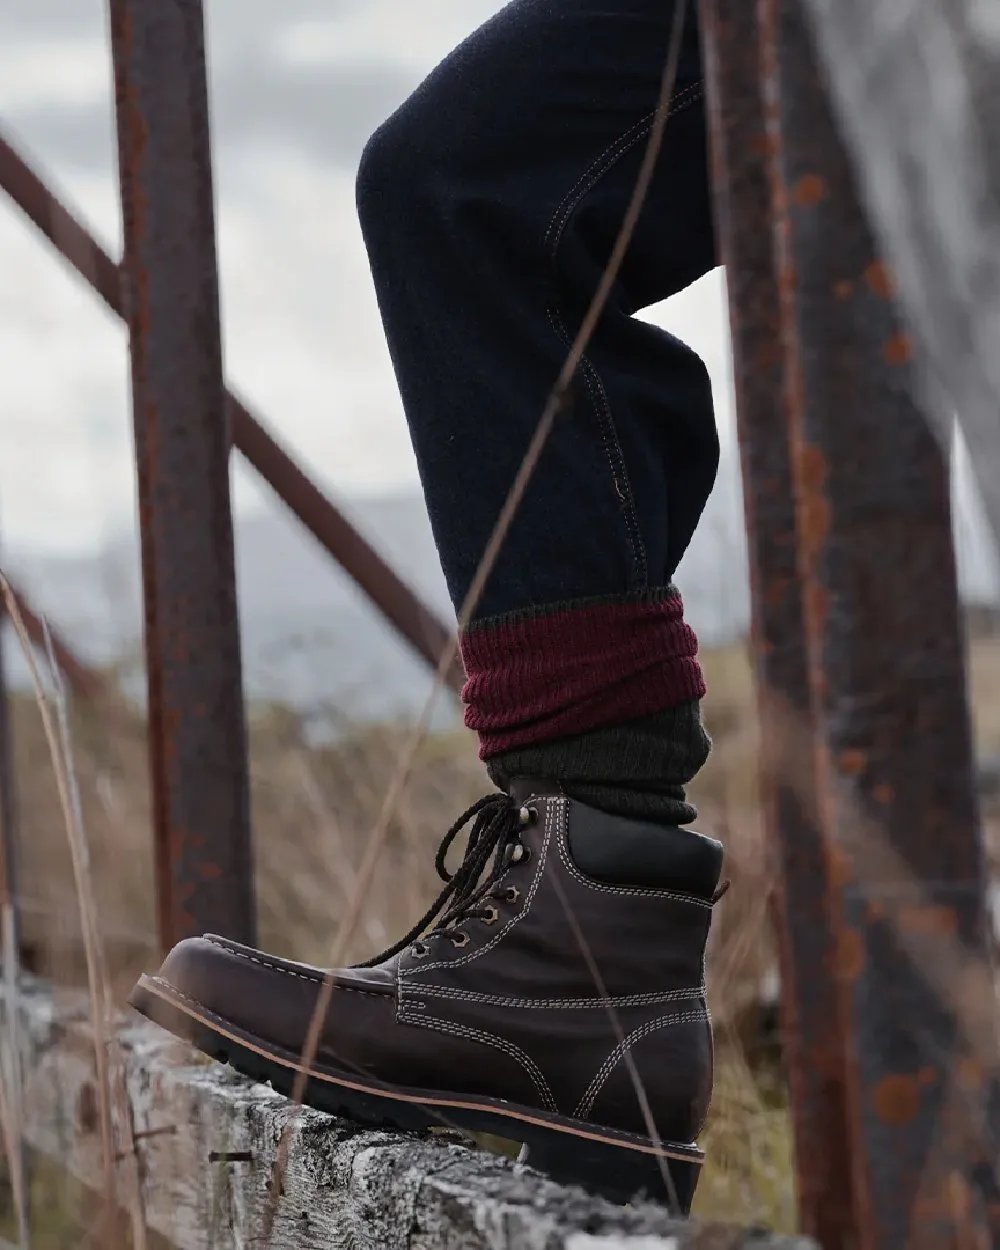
point(206, 1141)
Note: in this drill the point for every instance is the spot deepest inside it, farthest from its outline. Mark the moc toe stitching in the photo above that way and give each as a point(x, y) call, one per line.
point(313, 978)
point(268, 962)
point(224, 1025)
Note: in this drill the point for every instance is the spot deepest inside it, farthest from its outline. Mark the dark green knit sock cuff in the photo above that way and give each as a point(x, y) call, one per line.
point(638, 769)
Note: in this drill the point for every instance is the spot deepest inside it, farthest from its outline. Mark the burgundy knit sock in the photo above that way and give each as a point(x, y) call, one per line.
point(601, 695)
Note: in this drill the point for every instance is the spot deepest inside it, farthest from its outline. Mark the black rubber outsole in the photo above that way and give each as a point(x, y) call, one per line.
point(606, 1164)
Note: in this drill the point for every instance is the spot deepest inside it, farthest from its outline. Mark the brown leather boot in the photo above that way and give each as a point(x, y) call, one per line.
point(558, 1000)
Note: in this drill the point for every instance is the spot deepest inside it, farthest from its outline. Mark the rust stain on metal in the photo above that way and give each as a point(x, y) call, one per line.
point(930, 920)
point(814, 506)
point(850, 955)
point(880, 280)
point(768, 355)
point(898, 350)
point(809, 191)
point(817, 603)
point(840, 867)
point(897, 1100)
point(853, 763)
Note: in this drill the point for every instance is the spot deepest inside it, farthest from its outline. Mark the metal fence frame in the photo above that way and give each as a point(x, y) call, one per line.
point(869, 790)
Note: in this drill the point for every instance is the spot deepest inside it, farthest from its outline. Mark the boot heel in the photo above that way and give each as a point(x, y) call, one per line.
point(618, 1174)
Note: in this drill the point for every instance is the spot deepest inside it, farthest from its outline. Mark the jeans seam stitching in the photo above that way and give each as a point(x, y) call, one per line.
point(602, 408)
point(599, 166)
point(612, 452)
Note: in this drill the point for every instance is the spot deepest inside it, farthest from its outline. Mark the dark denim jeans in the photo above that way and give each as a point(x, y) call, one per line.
point(489, 204)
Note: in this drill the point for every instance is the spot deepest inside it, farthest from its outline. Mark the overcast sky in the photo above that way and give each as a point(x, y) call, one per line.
point(297, 86)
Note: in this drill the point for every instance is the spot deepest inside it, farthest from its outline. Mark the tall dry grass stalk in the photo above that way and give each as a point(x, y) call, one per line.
point(12, 1133)
point(109, 1069)
point(11, 1080)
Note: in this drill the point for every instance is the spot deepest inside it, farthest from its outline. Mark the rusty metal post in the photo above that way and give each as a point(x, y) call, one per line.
point(197, 727)
point(890, 726)
point(812, 1044)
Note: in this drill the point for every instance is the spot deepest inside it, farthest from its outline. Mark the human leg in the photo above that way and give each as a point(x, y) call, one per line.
point(490, 202)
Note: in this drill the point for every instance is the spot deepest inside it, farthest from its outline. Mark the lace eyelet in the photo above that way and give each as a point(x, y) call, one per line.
point(418, 950)
point(512, 894)
point(493, 917)
point(520, 854)
point(460, 940)
point(527, 816)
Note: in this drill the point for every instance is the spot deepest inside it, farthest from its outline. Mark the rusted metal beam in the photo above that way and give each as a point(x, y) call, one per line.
point(919, 113)
point(424, 631)
point(890, 726)
point(197, 730)
point(813, 1045)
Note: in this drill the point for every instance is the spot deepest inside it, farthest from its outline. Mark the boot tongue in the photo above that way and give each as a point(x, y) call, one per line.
point(524, 788)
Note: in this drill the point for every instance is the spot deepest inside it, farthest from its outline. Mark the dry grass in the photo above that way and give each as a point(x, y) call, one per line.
point(313, 808)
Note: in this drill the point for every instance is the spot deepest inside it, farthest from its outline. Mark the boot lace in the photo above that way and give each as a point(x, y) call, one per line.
point(496, 833)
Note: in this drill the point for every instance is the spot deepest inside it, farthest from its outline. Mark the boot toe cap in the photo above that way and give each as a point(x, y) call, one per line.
point(261, 996)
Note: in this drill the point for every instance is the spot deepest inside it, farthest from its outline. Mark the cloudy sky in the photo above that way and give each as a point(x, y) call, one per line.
point(297, 86)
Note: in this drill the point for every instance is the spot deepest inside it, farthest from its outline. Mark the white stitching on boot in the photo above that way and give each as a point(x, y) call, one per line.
point(586, 1103)
point(414, 974)
point(572, 1004)
point(489, 1039)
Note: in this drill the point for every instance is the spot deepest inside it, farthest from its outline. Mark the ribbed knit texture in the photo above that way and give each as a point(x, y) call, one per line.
point(545, 674)
point(638, 769)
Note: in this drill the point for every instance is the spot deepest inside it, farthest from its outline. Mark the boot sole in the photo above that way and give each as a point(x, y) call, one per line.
point(622, 1167)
